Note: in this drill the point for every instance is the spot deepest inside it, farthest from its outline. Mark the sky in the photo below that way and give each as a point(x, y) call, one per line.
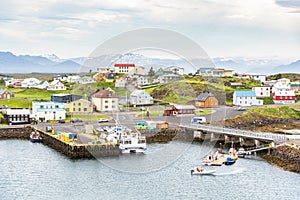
point(74, 28)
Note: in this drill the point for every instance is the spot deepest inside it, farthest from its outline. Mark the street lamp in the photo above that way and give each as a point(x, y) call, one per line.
point(53, 123)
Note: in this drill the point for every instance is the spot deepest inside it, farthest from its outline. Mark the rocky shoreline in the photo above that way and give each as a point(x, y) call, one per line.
point(286, 157)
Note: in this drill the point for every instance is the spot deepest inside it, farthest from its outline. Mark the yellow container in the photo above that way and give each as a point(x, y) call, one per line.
point(67, 138)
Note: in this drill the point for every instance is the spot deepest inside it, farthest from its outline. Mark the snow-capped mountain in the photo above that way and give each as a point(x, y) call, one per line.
point(10, 63)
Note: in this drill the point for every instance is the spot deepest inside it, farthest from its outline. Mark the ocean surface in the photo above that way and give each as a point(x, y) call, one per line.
point(35, 171)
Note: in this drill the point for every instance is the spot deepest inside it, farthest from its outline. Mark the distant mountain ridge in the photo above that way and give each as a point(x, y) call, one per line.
point(10, 63)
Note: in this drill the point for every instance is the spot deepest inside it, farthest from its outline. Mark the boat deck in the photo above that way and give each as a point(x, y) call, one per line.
point(220, 160)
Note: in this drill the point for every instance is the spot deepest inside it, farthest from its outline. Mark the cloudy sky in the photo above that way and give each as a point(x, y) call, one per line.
point(231, 28)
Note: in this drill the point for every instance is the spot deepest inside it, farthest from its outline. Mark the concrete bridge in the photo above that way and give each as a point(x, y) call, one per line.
point(259, 136)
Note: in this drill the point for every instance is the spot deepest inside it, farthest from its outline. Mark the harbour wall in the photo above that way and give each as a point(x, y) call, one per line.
point(71, 150)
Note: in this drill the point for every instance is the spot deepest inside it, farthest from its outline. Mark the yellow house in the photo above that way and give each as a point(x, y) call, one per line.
point(81, 105)
point(105, 100)
point(228, 73)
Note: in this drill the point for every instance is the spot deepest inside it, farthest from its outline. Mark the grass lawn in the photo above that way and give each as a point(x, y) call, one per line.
point(33, 93)
point(153, 113)
point(278, 112)
point(17, 103)
point(203, 112)
point(87, 117)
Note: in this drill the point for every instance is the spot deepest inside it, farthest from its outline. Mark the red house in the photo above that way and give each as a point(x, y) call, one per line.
point(180, 110)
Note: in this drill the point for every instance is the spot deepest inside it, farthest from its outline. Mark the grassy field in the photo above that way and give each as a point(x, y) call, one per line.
point(33, 93)
point(87, 117)
point(204, 112)
point(154, 113)
point(17, 103)
point(284, 112)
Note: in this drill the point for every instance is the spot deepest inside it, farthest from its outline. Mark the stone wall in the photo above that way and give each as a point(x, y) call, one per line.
point(15, 133)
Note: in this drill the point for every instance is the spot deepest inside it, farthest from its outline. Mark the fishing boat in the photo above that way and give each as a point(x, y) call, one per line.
point(202, 171)
point(132, 143)
point(241, 153)
point(35, 137)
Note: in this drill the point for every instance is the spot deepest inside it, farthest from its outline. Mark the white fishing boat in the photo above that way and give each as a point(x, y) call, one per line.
point(202, 171)
point(132, 143)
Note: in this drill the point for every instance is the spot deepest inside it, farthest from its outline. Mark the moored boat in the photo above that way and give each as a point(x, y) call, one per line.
point(35, 137)
point(132, 143)
point(241, 153)
point(229, 161)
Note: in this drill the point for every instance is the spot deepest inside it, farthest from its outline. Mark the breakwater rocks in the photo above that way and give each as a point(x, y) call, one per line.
point(285, 157)
point(15, 132)
point(167, 135)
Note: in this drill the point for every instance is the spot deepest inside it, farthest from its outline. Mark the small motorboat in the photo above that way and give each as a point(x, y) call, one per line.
point(229, 161)
point(241, 153)
point(201, 171)
point(35, 137)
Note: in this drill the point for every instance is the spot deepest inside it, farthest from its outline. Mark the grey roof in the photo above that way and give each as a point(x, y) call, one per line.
point(2, 90)
point(180, 107)
point(18, 112)
point(204, 95)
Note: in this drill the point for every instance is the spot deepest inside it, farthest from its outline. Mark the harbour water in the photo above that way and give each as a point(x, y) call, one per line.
point(35, 171)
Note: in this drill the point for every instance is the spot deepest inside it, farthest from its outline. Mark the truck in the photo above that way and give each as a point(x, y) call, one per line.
point(199, 120)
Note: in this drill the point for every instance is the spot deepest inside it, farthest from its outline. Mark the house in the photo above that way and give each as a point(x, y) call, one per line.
point(30, 82)
point(295, 86)
point(283, 94)
point(161, 72)
point(129, 69)
point(80, 105)
point(167, 78)
point(61, 78)
point(262, 91)
point(180, 110)
point(283, 81)
point(261, 78)
point(214, 72)
point(73, 79)
point(46, 111)
point(247, 76)
point(86, 80)
point(142, 80)
point(246, 98)
point(140, 97)
point(206, 100)
point(228, 73)
point(175, 70)
point(64, 98)
point(5, 94)
point(56, 85)
point(42, 85)
point(120, 83)
point(105, 100)
point(17, 116)
point(103, 70)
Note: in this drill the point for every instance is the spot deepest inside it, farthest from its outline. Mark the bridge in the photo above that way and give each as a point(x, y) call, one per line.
point(270, 137)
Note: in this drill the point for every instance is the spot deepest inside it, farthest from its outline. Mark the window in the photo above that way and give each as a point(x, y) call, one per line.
point(106, 101)
point(56, 106)
point(112, 101)
point(79, 104)
point(74, 109)
point(79, 109)
point(41, 106)
point(85, 109)
point(106, 106)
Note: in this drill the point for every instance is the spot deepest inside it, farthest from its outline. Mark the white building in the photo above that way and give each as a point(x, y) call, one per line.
point(86, 80)
point(246, 98)
point(262, 91)
point(73, 79)
point(105, 100)
point(46, 111)
point(261, 78)
point(140, 97)
point(283, 94)
point(142, 80)
point(129, 69)
point(42, 85)
point(56, 85)
point(120, 83)
point(175, 70)
point(30, 82)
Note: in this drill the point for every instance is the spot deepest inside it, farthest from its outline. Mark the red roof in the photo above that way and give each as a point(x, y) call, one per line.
point(124, 65)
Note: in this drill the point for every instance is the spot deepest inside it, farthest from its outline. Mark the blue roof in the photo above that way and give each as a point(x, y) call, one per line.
point(245, 94)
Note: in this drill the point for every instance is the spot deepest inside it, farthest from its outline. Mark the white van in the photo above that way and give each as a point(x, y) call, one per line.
point(199, 120)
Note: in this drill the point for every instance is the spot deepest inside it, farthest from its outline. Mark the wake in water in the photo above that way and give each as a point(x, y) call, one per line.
point(236, 171)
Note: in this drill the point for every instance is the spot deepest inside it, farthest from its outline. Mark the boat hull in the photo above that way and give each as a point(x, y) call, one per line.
point(229, 162)
point(205, 172)
point(132, 151)
point(36, 140)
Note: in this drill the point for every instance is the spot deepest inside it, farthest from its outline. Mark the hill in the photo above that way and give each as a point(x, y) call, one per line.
point(291, 76)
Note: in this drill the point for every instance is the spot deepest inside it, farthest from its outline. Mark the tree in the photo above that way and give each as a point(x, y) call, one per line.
point(151, 72)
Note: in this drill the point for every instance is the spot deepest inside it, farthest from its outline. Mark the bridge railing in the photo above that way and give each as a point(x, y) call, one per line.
point(238, 132)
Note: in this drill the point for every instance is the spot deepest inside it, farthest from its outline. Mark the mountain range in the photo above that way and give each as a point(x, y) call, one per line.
point(10, 63)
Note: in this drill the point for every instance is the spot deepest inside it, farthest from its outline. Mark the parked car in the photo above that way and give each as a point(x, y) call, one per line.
point(48, 128)
point(142, 108)
point(76, 120)
point(241, 109)
point(62, 121)
point(103, 120)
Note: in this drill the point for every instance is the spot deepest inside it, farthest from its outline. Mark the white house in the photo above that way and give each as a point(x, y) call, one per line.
point(140, 97)
point(120, 83)
point(105, 100)
point(73, 79)
point(142, 80)
point(42, 85)
point(86, 80)
point(246, 98)
point(283, 94)
point(167, 78)
point(30, 82)
point(45, 111)
point(56, 85)
point(129, 69)
point(262, 91)
point(261, 78)
point(175, 70)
